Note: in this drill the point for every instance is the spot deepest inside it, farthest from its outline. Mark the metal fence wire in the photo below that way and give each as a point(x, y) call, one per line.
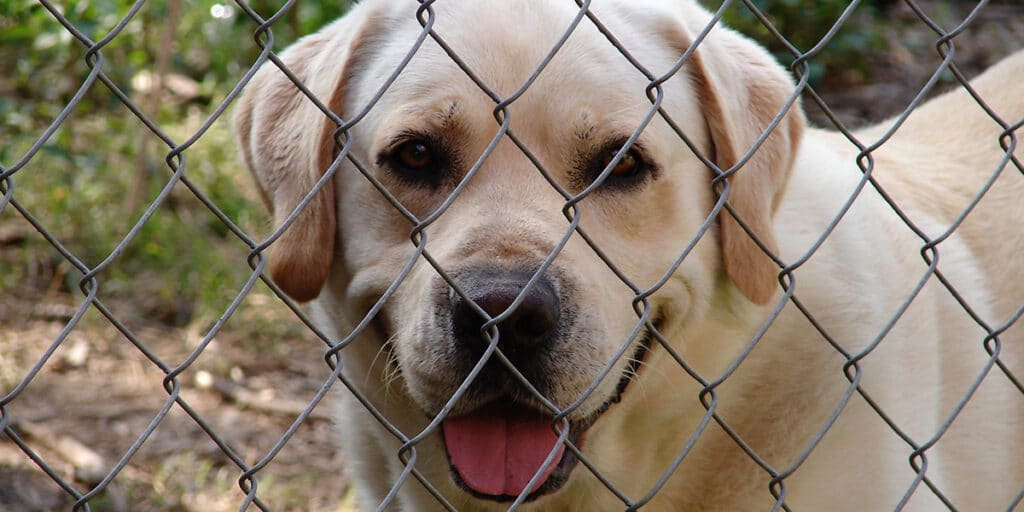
point(91, 278)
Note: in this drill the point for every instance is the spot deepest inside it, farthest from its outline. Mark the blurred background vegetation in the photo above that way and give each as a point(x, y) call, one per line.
point(92, 180)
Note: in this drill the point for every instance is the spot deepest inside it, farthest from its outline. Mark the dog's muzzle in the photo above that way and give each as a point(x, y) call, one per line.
point(496, 450)
point(500, 439)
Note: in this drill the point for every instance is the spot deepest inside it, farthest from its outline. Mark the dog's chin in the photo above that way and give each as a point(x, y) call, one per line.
point(508, 446)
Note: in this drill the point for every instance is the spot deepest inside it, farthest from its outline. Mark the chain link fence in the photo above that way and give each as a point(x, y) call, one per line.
point(85, 479)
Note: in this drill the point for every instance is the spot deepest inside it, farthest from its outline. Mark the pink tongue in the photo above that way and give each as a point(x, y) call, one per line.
point(497, 451)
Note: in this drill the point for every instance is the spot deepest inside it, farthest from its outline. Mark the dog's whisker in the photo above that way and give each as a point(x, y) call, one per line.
point(633, 372)
point(390, 365)
point(392, 372)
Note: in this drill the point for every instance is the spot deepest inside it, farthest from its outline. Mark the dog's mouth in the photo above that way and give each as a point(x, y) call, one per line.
point(497, 450)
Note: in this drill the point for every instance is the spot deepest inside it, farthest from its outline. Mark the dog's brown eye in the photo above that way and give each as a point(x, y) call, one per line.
point(417, 160)
point(414, 155)
point(629, 164)
point(630, 171)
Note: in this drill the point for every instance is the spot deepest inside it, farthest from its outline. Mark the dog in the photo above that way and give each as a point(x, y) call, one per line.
point(574, 290)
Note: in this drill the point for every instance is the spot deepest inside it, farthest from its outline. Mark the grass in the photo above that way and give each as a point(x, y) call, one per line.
point(89, 185)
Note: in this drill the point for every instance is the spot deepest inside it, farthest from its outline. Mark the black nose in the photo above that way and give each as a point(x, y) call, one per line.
point(527, 328)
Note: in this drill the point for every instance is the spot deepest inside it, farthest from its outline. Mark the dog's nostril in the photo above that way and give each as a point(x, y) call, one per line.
point(534, 326)
point(533, 322)
point(494, 301)
point(536, 318)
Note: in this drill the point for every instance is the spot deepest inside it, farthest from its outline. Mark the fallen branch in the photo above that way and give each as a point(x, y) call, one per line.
point(264, 400)
point(90, 467)
point(11, 235)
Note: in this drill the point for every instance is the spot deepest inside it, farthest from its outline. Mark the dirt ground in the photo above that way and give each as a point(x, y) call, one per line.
point(93, 396)
point(97, 393)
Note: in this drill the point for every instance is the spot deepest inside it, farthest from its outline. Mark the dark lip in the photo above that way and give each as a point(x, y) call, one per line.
point(577, 428)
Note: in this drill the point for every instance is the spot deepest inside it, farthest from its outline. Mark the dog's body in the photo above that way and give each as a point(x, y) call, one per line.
point(349, 245)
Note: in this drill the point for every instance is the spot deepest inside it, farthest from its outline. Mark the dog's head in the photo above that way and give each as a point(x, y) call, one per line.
point(523, 215)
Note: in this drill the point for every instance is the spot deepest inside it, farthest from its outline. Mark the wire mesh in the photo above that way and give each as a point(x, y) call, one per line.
point(647, 332)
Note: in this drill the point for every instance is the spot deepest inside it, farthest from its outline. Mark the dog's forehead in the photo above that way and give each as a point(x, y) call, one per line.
point(516, 46)
point(587, 89)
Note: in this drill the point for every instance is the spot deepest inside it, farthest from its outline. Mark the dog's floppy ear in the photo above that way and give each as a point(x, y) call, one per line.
point(741, 89)
point(287, 143)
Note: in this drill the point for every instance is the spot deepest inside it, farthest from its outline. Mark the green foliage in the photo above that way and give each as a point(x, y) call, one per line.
point(213, 44)
point(183, 261)
point(81, 184)
point(804, 24)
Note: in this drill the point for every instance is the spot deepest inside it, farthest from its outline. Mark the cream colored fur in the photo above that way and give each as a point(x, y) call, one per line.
point(349, 245)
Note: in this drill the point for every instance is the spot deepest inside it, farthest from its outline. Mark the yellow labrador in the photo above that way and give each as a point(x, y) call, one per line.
point(659, 358)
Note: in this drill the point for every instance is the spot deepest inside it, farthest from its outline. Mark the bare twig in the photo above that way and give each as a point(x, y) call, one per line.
point(90, 467)
point(263, 400)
